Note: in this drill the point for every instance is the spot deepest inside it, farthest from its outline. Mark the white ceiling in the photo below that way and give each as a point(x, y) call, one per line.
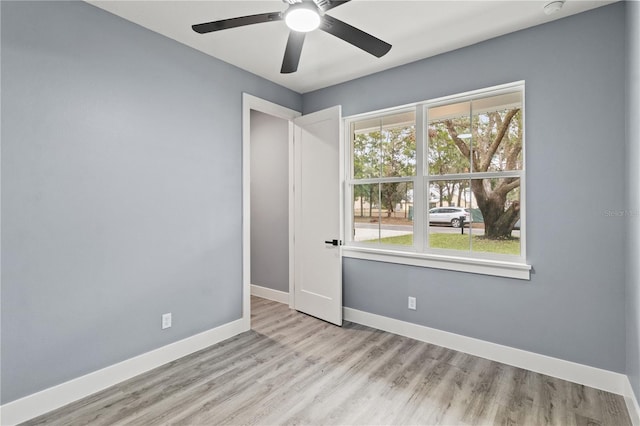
point(417, 29)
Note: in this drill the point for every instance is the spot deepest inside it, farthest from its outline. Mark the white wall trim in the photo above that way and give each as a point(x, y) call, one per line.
point(292, 215)
point(632, 404)
point(271, 294)
point(496, 268)
point(49, 399)
point(590, 376)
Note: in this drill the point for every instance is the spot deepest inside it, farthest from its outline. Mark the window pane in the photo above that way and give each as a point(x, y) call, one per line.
point(497, 132)
point(385, 146)
point(366, 149)
point(366, 214)
point(449, 135)
point(389, 221)
point(449, 214)
point(396, 218)
point(496, 215)
point(398, 145)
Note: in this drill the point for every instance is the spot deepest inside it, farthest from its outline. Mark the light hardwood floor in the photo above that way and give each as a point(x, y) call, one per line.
point(294, 369)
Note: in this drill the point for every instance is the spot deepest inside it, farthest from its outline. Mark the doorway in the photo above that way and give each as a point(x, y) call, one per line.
point(312, 260)
point(269, 206)
point(267, 202)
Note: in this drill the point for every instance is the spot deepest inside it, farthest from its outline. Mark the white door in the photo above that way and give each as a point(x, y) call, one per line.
point(317, 218)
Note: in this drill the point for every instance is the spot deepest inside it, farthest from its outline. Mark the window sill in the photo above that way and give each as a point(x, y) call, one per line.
point(496, 268)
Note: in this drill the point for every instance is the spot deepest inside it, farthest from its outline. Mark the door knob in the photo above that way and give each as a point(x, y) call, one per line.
point(334, 242)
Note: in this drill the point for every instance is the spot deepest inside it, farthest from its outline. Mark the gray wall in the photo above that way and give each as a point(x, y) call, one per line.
point(573, 307)
point(633, 180)
point(269, 201)
point(121, 191)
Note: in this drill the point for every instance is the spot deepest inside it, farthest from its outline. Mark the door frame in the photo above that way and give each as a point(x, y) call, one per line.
point(250, 102)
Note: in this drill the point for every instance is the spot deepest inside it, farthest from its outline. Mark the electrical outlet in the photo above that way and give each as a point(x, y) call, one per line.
point(166, 320)
point(412, 303)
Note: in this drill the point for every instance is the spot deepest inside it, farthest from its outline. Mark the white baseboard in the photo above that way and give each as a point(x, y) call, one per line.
point(590, 376)
point(632, 404)
point(57, 396)
point(268, 293)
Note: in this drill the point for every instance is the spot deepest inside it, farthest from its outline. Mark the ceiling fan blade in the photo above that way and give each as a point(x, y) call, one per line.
point(225, 24)
point(352, 35)
point(326, 5)
point(292, 52)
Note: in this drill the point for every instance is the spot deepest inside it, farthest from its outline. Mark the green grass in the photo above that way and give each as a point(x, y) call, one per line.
point(461, 242)
point(402, 240)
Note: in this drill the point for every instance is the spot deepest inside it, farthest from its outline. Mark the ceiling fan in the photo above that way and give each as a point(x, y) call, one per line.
point(303, 16)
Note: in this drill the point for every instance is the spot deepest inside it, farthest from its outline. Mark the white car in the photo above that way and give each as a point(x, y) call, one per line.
point(449, 215)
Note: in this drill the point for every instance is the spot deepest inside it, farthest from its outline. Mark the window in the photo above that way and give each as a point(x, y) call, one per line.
point(441, 183)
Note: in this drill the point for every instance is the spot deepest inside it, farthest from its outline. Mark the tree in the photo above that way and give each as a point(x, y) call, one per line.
point(496, 145)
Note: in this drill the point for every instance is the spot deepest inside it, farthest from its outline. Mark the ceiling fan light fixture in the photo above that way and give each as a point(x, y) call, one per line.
point(302, 17)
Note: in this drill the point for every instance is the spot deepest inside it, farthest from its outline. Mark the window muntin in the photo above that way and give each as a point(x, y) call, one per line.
point(471, 153)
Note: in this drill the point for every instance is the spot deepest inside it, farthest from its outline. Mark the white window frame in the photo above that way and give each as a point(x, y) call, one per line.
point(420, 254)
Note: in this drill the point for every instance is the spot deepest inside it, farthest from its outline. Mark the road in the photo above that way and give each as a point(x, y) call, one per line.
point(369, 231)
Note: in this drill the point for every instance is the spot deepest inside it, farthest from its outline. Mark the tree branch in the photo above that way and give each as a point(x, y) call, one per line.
point(498, 140)
point(464, 149)
point(476, 160)
point(512, 157)
point(507, 186)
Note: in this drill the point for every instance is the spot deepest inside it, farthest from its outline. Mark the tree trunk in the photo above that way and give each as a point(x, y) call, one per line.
point(449, 196)
point(501, 228)
point(498, 223)
point(389, 195)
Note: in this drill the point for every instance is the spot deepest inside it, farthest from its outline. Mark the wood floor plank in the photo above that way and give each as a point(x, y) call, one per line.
point(388, 390)
point(295, 369)
point(321, 361)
